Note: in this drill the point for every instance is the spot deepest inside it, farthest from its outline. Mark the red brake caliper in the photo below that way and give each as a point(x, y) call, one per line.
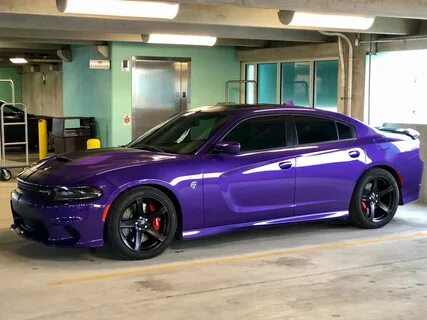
point(156, 221)
point(364, 207)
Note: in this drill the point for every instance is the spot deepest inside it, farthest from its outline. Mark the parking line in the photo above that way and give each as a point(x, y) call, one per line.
point(238, 258)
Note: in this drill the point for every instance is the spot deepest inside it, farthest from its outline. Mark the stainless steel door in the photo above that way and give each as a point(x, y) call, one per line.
point(160, 89)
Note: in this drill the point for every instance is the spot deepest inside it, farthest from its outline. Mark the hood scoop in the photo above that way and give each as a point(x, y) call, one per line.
point(63, 159)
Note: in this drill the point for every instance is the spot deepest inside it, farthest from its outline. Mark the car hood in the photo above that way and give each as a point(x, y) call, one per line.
point(74, 167)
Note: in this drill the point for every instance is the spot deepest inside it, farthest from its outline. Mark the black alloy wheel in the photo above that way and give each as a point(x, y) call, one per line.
point(141, 223)
point(375, 199)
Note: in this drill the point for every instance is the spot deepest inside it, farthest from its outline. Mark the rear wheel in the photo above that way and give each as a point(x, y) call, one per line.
point(375, 199)
point(141, 224)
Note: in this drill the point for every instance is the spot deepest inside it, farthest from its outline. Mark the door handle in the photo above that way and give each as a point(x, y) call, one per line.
point(354, 154)
point(285, 165)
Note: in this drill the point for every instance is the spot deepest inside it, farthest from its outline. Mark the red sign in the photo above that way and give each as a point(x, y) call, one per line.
point(126, 120)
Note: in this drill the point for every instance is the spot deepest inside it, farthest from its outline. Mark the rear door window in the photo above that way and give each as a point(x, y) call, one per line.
point(345, 131)
point(259, 133)
point(315, 129)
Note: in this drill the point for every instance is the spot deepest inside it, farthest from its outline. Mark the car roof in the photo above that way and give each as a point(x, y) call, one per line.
point(243, 110)
point(262, 108)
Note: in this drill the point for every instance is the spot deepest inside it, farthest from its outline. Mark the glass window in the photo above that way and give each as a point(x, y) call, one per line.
point(259, 133)
point(326, 85)
point(305, 84)
point(296, 84)
point(184, 134)
point(267, 82)
point(345, 131)
point(314, 129)
point(250, 87)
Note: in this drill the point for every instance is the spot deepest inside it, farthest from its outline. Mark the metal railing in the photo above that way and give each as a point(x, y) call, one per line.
point(227, 86)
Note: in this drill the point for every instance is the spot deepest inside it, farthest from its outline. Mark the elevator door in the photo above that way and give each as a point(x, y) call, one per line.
point(160, 89)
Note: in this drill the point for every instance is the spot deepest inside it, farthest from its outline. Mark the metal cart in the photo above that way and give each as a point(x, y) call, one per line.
point(6, 164)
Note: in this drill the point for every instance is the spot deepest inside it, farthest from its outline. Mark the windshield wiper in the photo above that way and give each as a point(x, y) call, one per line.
point(148, 147)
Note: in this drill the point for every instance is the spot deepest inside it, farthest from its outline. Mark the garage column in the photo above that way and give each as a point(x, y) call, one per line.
point(359, 66)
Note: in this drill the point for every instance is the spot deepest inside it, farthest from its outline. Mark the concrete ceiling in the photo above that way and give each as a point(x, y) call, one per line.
point(203, 18)
point(411, 9)
point(241, 23)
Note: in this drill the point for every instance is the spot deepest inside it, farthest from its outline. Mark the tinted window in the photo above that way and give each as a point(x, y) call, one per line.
point(184, 134)
point(345, 131)
point(259, 133)
point(313, 129)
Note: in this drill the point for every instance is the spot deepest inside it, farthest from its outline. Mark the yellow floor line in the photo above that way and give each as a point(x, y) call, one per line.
point(237, 259)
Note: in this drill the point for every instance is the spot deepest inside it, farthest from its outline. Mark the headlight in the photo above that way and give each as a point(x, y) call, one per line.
point(62, 194)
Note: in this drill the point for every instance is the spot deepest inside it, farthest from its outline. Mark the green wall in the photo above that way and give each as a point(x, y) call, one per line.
point(87, 93)
point(5, 91)
point(211, 67)
point(107, 94)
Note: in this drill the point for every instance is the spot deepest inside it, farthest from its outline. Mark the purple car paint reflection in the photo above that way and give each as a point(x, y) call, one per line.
point(217, 192)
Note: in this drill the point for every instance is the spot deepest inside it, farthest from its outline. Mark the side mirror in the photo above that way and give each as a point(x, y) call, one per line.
point(227, 147)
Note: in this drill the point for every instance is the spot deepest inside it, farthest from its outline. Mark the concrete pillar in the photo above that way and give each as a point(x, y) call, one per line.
point(358, 96)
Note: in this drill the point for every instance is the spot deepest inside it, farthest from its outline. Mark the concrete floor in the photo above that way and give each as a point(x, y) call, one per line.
point(313, 271)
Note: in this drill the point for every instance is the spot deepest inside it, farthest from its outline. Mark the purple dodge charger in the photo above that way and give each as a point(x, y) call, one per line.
point(216, 169)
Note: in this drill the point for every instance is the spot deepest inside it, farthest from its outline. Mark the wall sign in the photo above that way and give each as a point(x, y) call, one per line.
point(99, 64)
point(126, 120)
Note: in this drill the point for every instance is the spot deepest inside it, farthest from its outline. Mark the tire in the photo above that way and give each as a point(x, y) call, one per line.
point(376, 191)
point(144, 213)
point(5, 175)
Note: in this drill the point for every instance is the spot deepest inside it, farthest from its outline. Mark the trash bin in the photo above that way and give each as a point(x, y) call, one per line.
point(71, 133)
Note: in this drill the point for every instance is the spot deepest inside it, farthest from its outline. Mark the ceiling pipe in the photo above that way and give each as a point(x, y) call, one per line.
point(342, 68)
point(342, 36)
point(392, 40)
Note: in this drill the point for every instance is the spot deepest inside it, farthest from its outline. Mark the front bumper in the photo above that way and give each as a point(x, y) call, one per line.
point(72, 225)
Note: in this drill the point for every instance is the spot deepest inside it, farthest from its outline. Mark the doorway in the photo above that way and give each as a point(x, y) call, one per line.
point(160, 89)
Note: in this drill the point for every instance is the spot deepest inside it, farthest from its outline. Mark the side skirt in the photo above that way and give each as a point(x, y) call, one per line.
point(194, 234)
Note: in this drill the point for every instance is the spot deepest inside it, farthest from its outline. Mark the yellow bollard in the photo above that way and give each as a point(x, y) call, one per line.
point(93, 144)
point(42, 139)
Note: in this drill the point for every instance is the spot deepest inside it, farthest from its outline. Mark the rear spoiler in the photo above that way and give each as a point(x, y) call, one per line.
point(414, 134)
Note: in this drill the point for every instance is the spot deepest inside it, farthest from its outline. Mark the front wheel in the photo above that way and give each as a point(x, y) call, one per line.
point(375, 199)
point(141, 224)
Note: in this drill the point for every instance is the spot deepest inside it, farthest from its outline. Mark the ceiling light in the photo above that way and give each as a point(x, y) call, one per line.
point(125, 8)
point(325, 21)
point(18, 60)
point(180, 39)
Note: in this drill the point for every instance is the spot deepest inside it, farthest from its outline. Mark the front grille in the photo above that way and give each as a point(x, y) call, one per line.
point(34, 228)
point(34, 191)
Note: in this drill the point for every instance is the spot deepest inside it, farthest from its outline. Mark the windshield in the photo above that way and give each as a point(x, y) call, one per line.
point(182, 134)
